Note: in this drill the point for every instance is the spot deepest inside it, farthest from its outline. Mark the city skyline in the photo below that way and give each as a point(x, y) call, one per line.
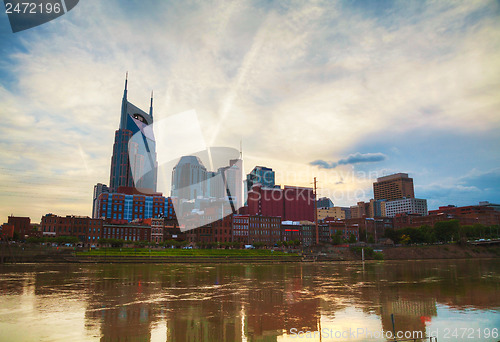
point(342, 91)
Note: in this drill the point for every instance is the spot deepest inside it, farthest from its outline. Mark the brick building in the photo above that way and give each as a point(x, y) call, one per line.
point(393, 187)
point(471, 214)
point(157, 226)
point(22, 226)
point(264, 229)
point(467, 215)
point(172, 231)
point(368, 226)
point(201, 234)
point(6, 231)
point(86, 229)
point(127, 232)
point(290, 203)
point(341, 226)
point(291, 231)
point(222, 229)
point(249, 229)
point(130, 206)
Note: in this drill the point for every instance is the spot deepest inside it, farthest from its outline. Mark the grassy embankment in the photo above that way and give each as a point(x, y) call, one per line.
point(195, 253)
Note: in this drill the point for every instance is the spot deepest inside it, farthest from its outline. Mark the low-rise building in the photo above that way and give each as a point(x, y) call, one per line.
point(86, 229)
point(127, 232)
point(157, 226)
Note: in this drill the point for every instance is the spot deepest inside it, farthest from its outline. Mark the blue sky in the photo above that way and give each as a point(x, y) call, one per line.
point(368, 87)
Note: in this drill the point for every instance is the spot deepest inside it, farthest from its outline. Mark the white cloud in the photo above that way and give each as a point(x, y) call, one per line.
point(296, 82)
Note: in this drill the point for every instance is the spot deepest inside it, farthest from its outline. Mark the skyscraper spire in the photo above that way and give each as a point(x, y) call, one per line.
point(151, 106)
point(126, 80)
point(123, 117)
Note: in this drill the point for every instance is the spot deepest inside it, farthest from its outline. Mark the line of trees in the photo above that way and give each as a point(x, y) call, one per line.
point(120, 243)
point(338, 238)
point(445, 231)
point(58, 240)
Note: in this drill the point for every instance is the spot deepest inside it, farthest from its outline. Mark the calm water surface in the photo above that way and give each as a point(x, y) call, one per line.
point(455, 300)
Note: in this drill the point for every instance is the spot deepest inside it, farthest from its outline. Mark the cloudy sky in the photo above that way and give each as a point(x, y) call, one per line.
point(343, 91)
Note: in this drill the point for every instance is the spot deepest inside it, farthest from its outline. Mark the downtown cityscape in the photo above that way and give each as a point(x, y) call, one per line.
point(131, 210)
point(250, 171)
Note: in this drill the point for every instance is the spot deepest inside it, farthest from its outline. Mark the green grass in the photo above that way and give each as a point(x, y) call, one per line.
point(252, 253)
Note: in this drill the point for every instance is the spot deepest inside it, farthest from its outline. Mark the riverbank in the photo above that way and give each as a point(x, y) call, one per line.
point(449, 251)
point(121, 255)
point(414, 252)
point(329, 254)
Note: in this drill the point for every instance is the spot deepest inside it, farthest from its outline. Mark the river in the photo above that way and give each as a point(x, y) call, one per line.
point(455, 300)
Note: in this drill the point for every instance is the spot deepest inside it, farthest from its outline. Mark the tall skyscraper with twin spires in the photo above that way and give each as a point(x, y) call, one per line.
point(134, 162)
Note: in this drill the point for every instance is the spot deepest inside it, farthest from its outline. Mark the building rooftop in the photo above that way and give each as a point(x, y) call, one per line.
point(393, 176)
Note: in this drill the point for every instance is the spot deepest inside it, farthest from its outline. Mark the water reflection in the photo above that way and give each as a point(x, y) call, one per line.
point(246, 302)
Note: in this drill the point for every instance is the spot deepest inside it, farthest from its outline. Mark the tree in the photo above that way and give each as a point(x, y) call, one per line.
point(362, 235)
point(445, 230)
point(405, 239)
point(112, 242)
point(392, 234)
point(258, 244)
point(337, 238)
point(352, 238)
point(428, 234)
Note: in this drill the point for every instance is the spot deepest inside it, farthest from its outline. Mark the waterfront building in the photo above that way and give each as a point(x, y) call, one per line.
point(368, 226)
point(6, 231)
point(127, 232)
point(157, 226)
point(87, 230)
point(345, 230)
point(172, 231)
point(222, 229)
point(291, 231)
point(304, 232)
point(22, 226)
point(393, 187)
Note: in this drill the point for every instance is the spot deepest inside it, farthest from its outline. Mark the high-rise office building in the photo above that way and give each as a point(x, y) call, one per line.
point(99, 188)
point(232, 176)
point(324, 203)
point(189, 178)
point(393, 187)
point(134, 163)
point(261, 175)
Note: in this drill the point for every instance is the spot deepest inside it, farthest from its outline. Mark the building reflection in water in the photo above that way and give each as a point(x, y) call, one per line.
point(255, 302)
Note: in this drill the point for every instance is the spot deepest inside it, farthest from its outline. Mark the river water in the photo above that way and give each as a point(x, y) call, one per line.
point(455, 300)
